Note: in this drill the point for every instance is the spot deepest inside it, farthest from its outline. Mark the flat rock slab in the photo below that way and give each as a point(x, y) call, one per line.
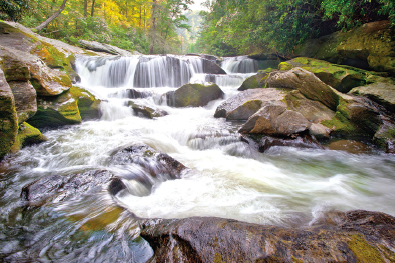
point(382, 93)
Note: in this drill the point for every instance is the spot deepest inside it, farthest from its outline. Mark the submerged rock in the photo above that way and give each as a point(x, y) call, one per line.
point(354, 236)
point(194, 95)
point(8, 116)
point(146, 111)
point(350, 146)
point(57, 188)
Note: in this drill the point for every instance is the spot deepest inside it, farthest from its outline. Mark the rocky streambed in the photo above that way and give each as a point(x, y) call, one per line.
point(138, 158)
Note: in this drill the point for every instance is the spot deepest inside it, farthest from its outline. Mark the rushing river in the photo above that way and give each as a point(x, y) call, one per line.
point(226, 177)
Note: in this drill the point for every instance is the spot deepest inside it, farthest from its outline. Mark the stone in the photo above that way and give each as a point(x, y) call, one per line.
point(194, 95)
point(8, 117)
point(210, 67)
point(246, 103)
point(27, 135)
point(59, 188)
point(254, 82)
point(319, 131)
point(100, 47)
point(350, 146)
point(354, 236)
point(275, 119)
point(307, 83)
point(215, 59)
point(88, 104)
point(25, 99)
point(146, 111)
point(56, 111)
point(381, 92)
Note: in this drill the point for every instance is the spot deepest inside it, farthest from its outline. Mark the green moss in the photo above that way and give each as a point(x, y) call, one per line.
point(296, 260)
point(27, 135)
point(285, 66)
point(8, 124)
point(363, 251)
point(217, 258)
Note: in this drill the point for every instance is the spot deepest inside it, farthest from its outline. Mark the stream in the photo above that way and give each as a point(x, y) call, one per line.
point(227, 178)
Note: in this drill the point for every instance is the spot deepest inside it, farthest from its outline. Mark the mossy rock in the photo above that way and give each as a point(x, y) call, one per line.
point(194, 95)
point(25, 99)
point(254, 82)
point(339, 77)
point(27, 135)
point(363, 251)
point(57, 111)
point(8, 117)
point(88, 104)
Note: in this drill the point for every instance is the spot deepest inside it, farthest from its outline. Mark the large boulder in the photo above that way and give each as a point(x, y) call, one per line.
point(27, 135)
point(246, 103)
point(56, 111)
point(254, 82)
point(57, 188)
point(307, 83)
point(25, 99)
point(8, 117)
point(194, 95)
point(88, 104)
point(354, 236)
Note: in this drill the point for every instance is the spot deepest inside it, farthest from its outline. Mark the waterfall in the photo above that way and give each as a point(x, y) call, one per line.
point(139, 71)
point(239, 64)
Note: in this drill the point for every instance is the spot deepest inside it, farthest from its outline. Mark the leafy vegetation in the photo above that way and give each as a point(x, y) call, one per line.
point(232, 27)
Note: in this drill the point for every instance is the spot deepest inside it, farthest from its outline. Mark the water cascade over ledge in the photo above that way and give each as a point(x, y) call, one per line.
point(225, 177)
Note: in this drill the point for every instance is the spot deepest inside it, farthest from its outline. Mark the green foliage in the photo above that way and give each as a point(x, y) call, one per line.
point(12, 9)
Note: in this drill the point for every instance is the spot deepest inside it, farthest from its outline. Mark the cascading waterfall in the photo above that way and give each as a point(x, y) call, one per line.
point(239, 64)
point(226, 177)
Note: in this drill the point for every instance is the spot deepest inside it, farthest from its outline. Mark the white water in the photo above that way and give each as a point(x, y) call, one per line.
point(227, 178)
point(239, 64)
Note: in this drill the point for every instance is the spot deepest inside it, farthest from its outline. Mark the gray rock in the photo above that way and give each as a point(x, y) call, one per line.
point(25, 99)
point(194, 95)
point(100, 47)
point(146, 111)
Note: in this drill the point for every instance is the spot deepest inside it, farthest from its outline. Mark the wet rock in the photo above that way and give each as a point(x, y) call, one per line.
point(8, 116)
point(154, 162)
point(356, 236)
point(246, 103)
point(307, 83)
point(56, 111)
point(27, 135)
point(134, 94)
point(88, 104)
point(381, 92)
point(25, 99)
point(209, 67)
point(194, 95)
point(146, 111)
point(57, 188)
point(46, 81)
point(215, 59)
point(254, 82)
point(275, 119)
point(350, 146)
point(319, 131)
point(299, 141)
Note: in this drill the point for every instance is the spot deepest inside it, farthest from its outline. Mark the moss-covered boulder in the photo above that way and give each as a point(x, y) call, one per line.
point(8, 117)
point(194, 95)
point(27, 135)
point(246, 103)
point(56, 111)
point(307, 83)
point(88, 104)
point(380, 92)
point(145, 111)
point(254, 82)
point(25, 99)
point(46, 81)
point(340, 77)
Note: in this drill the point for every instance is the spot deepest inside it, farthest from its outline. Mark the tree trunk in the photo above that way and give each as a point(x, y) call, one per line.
point(153, 29)
point(49, 20)
point(85, 8)
point(93, 7)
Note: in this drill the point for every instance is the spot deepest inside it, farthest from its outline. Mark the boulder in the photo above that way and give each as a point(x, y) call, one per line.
point(56, 111)
point(254, 82)
point(385, 136)
point(354, 236)
point(307, 83)
point(146, 111)
point(381, 92)
point(194, 95)
point(27, 135)
point(340, 77)
point(100, 47)
point(275, 119)
point(25, 99)
point(46, 81)
point(58, 188)
point(246, 103)
point(215, 59)
point(8, 116)
point(210, 67)
point(88, 104)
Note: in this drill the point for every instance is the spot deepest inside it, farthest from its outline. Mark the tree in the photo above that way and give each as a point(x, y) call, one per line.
point(51, 18)
point(12, 9)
